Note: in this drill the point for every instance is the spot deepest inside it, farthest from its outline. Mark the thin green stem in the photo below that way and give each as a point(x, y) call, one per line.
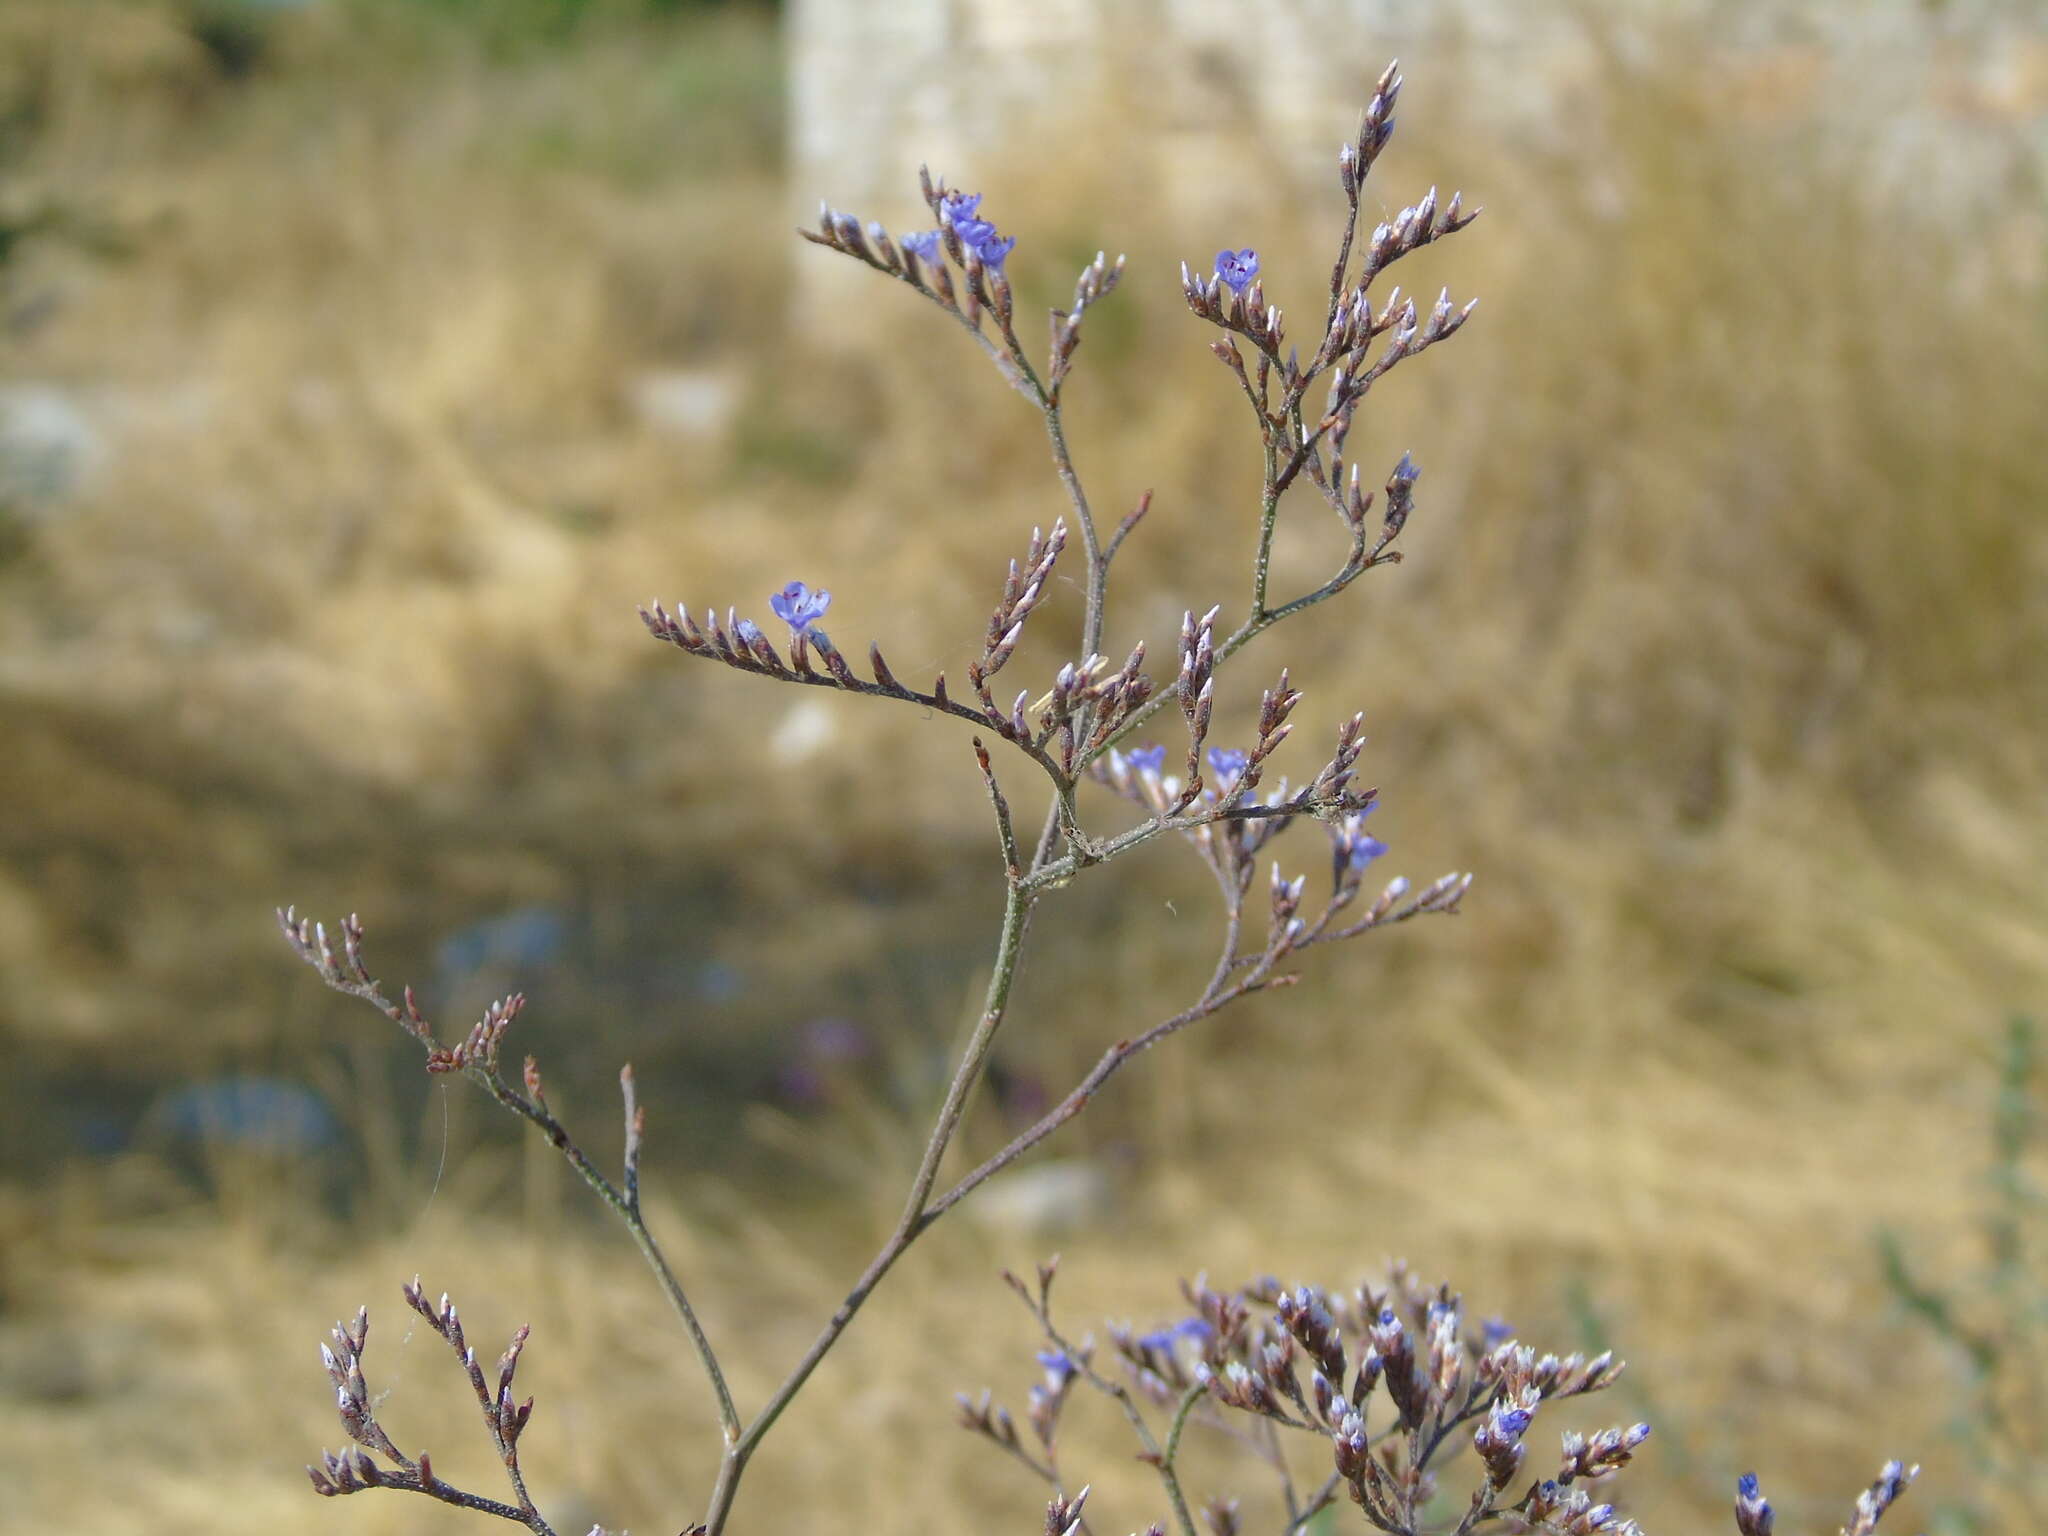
point(628, 1209)
point(1269, 517)
point(916, 1217)
point(1167, 1474)
point(1063, 463)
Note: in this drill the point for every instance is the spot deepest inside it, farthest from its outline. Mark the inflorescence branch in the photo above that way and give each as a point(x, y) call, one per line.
point(1390, 1379)
point(477, 1057)
point(351, 1471)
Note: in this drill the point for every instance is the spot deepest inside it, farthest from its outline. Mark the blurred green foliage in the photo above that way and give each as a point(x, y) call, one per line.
point(1995, 1319)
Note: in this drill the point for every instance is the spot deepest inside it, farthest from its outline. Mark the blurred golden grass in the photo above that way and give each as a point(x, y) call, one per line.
point(1720, 654)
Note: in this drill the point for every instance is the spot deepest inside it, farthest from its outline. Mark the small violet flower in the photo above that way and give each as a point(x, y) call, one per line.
point(1194, 1329)
point(799, 607)
point(1356, 846)
point(925, 244)
point(993, 251)
point(1227, 763)
point(956, 206)
point(1237, 268)
point(1364, 849)
point(1511, 1423)
point(1148, 759)
point(1058, 1367)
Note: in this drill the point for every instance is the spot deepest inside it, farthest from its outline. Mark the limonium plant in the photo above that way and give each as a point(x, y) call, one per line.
point(1384, 1383)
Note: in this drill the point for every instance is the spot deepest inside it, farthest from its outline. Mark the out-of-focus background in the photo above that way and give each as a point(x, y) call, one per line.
point(364, 362)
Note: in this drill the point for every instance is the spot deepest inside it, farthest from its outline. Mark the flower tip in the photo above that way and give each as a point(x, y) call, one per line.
point(798, 606)
point(1237, 268)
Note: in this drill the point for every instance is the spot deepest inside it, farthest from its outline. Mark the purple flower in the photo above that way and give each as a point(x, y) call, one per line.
point(799, 607)
point(992, 250)
point(925, 244)
point(1058, 1368)
point(1357, 847)
point(1163, 1340)
point(957, 206)
point(1237, 267)
point(1148, 759)
point(1227, 763)
point(1511, 1423)
point(1752, 1510)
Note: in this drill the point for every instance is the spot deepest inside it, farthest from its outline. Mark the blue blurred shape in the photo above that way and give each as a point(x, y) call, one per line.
point(523, 939)
point(718, 982)
point(268, 1114)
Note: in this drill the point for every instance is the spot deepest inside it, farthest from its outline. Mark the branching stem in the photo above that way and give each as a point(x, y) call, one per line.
point(919, 1211)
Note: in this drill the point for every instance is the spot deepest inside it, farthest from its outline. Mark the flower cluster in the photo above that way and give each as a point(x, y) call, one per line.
point(959, 218)
point(1391, 1379)
point(959, 212)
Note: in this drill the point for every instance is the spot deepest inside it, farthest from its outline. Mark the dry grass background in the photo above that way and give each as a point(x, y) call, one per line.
point(1721, 654)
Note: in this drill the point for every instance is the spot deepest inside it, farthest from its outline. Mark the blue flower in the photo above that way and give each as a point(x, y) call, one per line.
point(799, 607)
point(1237, 268)
point(957, 206)
point(926, 245)
point(1356, 846)
point(1058, 1367)
point(1752, 1510)
point(1512, 1423)
point(1227, 763)
point(992, 250)
point(1148, 759)
point(1163, 1339)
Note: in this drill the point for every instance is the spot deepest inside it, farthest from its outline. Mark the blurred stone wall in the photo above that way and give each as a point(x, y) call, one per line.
point(1938, 106)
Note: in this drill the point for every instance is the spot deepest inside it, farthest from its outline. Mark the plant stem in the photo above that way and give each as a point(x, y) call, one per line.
point(918, 1213)
point(1167, 1475)
point(628, 1210)
point(1063, 463)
